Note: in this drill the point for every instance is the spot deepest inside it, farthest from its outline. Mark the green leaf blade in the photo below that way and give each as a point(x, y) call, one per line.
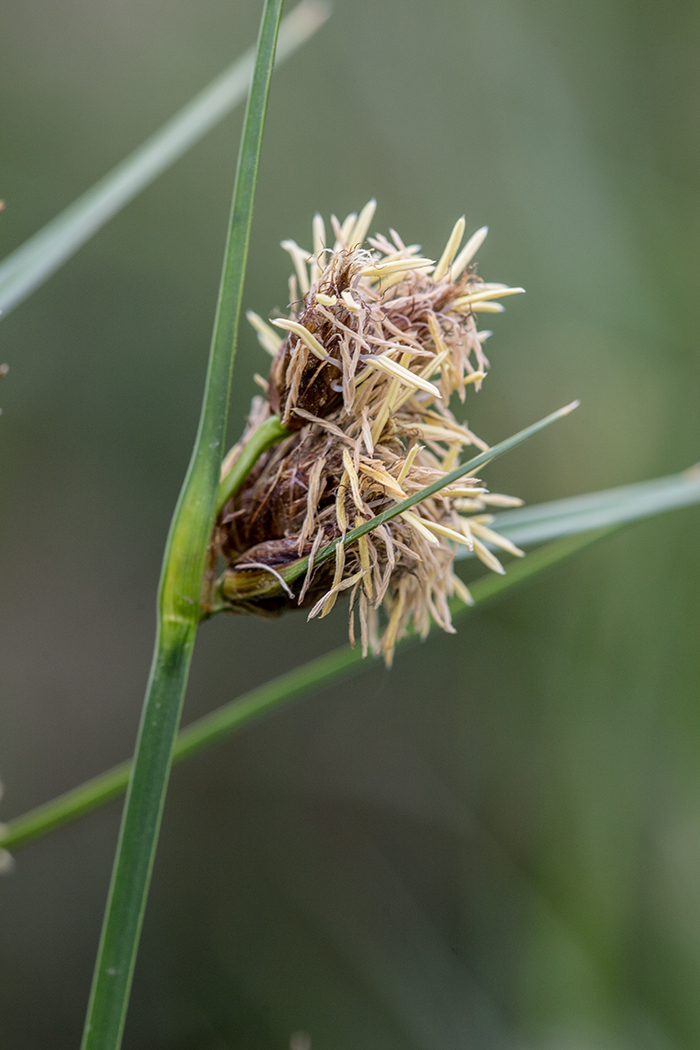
point(30, 265)
point(299, 567)
point(547, 521)
point(179, 598)
point(332, 667)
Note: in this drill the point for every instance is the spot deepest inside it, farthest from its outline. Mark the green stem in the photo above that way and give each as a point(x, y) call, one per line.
point(138, 838)
point(266, 698)
point(179, 599)
point(268, 434)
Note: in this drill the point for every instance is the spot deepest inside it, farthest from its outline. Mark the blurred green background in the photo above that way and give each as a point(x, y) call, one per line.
point(497, 844)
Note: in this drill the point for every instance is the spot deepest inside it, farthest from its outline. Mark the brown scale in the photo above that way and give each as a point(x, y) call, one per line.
point(316, 394)
point(261, 526)
point(251, 588)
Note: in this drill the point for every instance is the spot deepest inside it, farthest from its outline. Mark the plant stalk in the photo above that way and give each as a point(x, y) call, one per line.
point(179, 599)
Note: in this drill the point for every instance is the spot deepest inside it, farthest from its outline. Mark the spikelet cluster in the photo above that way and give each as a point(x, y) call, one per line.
point(377, 342)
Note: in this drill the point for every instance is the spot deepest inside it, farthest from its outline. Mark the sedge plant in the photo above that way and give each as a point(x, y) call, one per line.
point(391, 494)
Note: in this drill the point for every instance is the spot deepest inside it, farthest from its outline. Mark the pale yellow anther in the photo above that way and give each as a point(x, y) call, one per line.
point(319, 242)
point(340, 515)
point(407, 351)
point(354, 480)
point(378, 270)
point(319, 233)
point(461, 491)
point(392, 256)
point(339, 563)
point(427, 372)
point(445, 530)
point(453, 243)
point(328, 600)
point(474, 377)
point(488, 308)
point(344, 231)
point(495, 499)
point(326, 300)
point(465, 301)
point(395, 390)
point(300, 258)
point(364, 559)
point(389, 639)
point(434, 433)
point(468, 506)
point(449, 461)
point(385, 410)
point(384, 478)
point(462, 591)
point(392, 279)
point(498, 541)
point(408, 378)
point(419, 525)
point(351, 303)
point(358, 232)
point(408, 463)
point(435, 364)
point(315, 548)
point(337, 578)
point(267, 337)
point(490, 560)
point(436, 333)
point(366, 432)
point(467, 253)
point(312, 497)
point(310, 341)
point(397, 239)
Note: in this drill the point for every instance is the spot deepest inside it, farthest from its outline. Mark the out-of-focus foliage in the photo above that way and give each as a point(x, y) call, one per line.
point(497, 844)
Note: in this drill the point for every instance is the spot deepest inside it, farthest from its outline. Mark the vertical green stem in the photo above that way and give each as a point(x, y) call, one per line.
point(138, 838)
point(178, 599)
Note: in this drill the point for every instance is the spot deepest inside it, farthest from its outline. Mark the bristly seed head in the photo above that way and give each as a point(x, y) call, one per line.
point(377, 342)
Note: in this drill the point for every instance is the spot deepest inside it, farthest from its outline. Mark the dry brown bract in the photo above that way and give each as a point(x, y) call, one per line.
point(378, 341)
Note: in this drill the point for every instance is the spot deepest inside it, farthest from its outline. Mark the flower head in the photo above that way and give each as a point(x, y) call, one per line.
point(378, 340)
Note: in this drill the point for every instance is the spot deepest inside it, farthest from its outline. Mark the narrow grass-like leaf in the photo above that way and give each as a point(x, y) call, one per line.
point(178, 598)
point(529, 525)
point(298, 568)
point(42, 254)
point(615, 507)
point(334, 666)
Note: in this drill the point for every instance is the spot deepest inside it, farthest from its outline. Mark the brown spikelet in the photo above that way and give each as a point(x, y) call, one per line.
point(362, 379)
